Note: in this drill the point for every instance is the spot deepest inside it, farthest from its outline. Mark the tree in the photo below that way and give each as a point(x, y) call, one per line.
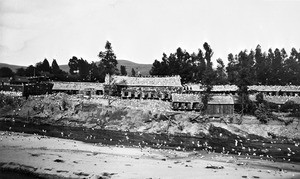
point(244, 80)
point(94, 72)
point(108, 61)
point(21, 72)
point(232, 69)
point(80, 68)
point(73, 65)
point(221, 77)
point(54, 67)
point(46, 66)
point(208, 76)
point(123, 70)
point(57, 73)
point(6, 72)
point(261, 66)
point(156, 68)
point(132, 72)
point(31, 71)
point(43, 68)
point(276, 67)
point(292, 68)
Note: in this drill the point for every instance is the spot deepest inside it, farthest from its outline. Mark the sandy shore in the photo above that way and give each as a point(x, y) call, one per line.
point(49, 157)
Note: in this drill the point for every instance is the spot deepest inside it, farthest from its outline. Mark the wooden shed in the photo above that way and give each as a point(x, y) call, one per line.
point(220, 105)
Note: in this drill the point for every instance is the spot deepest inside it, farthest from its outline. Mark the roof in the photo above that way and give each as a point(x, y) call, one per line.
point(288, 88)
point(282, 99)
point(185, 98)
point(76, 86)
point(173, 81)
point(222, 99)
point(262, 88)
point(216, 99)
point(216, 88)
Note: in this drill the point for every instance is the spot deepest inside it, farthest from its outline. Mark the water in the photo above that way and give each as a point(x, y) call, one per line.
point(279, 149)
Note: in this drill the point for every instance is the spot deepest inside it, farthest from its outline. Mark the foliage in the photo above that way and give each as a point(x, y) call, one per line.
point(132, 72)
point(123, 70)
point(57, 73)
point(271, 68)
point(221, 76)
point(21, 72)
point(208, 76)
point(262, 113)
point(290, 106)
point(6, 72)
point(81, 68)
point(108, 62)
point(190, 67)
point(9, 101)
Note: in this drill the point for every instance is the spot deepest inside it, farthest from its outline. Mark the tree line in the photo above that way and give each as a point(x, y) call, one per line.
point(79, 68)
point(275, 67)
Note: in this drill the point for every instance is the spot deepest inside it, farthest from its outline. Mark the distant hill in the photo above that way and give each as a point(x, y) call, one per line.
point(12, 67)
point(143, 68)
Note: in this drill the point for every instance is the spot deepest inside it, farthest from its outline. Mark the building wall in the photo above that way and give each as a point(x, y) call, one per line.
point(220, 109)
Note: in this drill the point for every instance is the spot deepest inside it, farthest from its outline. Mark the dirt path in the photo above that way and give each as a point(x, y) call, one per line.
point(49, 157)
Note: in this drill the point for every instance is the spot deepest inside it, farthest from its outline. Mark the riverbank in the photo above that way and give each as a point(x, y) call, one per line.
point(61, 158)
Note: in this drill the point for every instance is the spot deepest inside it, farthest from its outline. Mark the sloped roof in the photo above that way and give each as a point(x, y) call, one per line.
point(76, 85)
point(185, 98)
point(262, 88)
point(288, 88)
point(216, 99)
point(200, 87)
point(282, 99)
point(222, 99)
point(173, 81)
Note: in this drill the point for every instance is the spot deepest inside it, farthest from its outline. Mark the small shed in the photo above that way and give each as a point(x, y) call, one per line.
point(220, 105)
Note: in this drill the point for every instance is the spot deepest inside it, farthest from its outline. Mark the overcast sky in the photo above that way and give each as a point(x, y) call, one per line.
point(141, 30)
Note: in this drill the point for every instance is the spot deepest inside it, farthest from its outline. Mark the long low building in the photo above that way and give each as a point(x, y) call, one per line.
point(289, 90)
point(144, 87)
point(86, 88)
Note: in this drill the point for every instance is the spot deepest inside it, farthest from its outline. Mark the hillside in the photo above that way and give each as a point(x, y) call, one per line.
point(143, 68)
point(13, 67)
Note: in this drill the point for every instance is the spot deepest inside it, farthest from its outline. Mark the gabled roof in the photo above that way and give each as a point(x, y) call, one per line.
point(282, 99)
point(215, 99)
point(222, 99)
point(262, 88)
point(185, 98)
point(216, 88)
point(76, 86)
point(288, 88)
point(173, 81)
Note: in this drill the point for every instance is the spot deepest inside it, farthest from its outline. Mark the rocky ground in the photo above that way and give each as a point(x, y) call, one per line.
point(150, 116)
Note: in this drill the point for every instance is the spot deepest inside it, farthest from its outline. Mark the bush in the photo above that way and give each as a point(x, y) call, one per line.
point(263, 114)
point(290, 106)
point(8, 101)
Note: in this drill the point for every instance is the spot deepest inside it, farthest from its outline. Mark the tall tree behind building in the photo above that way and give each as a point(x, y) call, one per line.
point(123, 70)
point(132, 72)
point(221, 76)
point(208, 76)
point(108, 62)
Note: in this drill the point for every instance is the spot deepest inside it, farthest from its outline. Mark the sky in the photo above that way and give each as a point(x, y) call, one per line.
point(142, 30)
